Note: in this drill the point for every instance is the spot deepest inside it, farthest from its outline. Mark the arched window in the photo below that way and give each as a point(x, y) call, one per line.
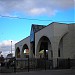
point(44, 47)
point(18, 52)
point(25, 51)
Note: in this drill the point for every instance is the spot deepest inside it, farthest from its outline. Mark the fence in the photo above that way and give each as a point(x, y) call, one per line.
point(8, 65)
point(27, 64)
point(33, 64)
point(72, 63)
point(65, 63)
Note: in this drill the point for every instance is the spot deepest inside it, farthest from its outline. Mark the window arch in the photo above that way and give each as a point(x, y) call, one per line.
point(18, 52)
point(25, 51)
point(44, 48)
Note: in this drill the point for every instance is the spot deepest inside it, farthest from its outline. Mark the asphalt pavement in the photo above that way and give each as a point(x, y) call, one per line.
point(43, 72)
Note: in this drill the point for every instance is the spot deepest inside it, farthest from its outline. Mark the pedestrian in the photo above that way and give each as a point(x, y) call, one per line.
point(2, 61)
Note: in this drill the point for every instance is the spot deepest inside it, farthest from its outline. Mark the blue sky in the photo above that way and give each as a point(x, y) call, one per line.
point(16, 29)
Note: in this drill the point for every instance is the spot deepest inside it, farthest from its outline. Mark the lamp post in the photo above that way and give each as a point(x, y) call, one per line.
point(0, 53)
point(11, 47)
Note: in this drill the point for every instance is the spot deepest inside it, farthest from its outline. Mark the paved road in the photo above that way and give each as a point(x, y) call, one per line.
point(48, 72)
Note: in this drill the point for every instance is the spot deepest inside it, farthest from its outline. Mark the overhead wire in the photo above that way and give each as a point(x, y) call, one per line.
point(30, 18)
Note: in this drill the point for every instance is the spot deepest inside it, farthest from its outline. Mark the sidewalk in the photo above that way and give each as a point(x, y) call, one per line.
point(47, 72)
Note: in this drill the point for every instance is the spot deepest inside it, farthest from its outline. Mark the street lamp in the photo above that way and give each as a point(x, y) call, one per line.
point(11, 47)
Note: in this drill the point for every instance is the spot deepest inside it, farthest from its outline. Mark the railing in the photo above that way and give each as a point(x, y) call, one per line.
point(8, 65)
point(65, 63)
point(27, 64)
point(33, 64)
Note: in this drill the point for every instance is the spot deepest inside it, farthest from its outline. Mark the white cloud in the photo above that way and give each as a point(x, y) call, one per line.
point(35, 7)
point(5, 47)
point(36, 11)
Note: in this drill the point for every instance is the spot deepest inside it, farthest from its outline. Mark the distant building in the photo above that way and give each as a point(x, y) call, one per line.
point(57, 38)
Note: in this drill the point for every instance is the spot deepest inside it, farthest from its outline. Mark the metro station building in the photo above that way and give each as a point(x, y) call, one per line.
point(56, 40)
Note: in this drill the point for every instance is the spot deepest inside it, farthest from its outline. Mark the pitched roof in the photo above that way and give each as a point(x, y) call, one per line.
point(37, 27)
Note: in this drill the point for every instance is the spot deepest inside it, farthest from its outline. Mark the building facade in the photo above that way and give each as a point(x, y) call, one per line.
point(57, 40)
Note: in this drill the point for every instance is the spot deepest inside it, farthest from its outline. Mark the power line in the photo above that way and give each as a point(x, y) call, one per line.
point(23, 18)
point(30, 18)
